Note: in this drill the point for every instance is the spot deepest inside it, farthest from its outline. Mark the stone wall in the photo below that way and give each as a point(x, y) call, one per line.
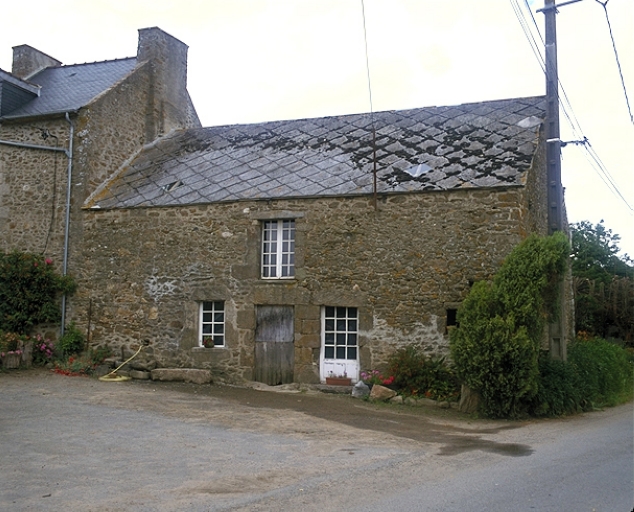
point(107, 133)
point(33, 186)
point(146, 270)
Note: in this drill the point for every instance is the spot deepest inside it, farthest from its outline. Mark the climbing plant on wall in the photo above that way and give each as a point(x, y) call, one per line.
point(30, 289)
point(496, 346)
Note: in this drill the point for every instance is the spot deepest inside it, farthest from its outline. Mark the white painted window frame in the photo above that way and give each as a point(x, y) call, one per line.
point(278, 249)
point(212, 323)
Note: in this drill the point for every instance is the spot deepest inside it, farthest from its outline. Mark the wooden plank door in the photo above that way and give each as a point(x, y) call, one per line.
point(274, 347)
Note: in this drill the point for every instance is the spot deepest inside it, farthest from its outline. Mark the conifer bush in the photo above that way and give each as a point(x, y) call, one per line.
point(496, 346)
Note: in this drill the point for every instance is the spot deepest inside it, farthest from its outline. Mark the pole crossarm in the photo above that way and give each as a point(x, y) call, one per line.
point(553, 6)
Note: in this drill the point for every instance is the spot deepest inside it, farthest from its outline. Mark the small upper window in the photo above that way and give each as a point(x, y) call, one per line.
point(212, 324)
point(278, 249)
point(452, 319)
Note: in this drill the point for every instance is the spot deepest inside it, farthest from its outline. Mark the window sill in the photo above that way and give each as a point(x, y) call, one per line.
point(202, 349)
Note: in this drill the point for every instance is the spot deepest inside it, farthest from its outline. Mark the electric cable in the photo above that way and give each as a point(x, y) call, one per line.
point(616, 56)
point(566, 107)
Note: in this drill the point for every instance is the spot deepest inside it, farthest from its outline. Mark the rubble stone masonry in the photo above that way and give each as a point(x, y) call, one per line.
point(146, 270)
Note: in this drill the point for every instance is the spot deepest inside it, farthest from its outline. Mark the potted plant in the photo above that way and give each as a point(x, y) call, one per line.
point(11, 348)
point(338, 380)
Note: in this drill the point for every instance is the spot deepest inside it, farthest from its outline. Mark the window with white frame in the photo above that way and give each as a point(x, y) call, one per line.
point(278, 249)
point(341, 331)
point(212, 324)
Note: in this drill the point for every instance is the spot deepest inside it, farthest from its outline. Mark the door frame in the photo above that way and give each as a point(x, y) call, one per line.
point(333, 366)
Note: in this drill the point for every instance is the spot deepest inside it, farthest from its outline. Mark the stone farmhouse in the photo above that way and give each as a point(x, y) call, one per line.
point(279, 252)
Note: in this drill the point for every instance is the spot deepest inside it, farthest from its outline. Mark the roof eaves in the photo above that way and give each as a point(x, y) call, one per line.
point(39, 115)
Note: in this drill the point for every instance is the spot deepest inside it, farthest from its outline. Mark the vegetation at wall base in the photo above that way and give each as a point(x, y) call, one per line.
point(416, 374)
point(72, 342)
point(598, 373)
point(29, 291)
point(496, 346)
point(83, 364)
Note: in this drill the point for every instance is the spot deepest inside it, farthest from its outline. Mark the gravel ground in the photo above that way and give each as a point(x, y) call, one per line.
point(72, 443)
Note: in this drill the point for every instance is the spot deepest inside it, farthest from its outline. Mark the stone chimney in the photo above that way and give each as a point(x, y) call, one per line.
point(168, 101)
point(27, 61)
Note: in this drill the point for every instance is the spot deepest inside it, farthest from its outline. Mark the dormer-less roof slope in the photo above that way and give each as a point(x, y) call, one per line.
point(487, 144)
point(68, 88)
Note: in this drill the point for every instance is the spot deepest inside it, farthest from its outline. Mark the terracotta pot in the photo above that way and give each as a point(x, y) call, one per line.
point(339, 381)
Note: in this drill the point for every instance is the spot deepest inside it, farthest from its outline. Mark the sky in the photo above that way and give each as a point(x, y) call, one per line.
point(264, 60)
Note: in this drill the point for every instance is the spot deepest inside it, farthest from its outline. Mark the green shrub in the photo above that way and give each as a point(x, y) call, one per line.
point(29, 291)
point(72, 342)
point(598, 373)
point(606, 371)
point(559, 390)
point(417, 375)
point(496, 346)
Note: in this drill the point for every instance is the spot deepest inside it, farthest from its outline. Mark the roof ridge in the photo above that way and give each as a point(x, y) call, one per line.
point(378, 112)
point(88, 63)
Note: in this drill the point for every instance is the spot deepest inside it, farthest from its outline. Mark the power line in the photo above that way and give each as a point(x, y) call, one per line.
point(566, 107)
point(616, 56)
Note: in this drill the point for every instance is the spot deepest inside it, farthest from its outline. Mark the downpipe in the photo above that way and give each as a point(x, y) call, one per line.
point(69, 173)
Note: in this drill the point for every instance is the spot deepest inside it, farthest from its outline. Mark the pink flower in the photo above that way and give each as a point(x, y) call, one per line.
point(48, 261)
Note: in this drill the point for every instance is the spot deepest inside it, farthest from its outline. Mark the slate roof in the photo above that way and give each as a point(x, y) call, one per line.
point(488, 144)
point(68, 88)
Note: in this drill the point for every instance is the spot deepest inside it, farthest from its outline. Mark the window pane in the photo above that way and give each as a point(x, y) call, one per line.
point(330, 311)
point(330, 324)
point(341, 338)
point(352, 339)
point(212, 323)
point(330, 338)
point(352, 325)
point(352, 353)
point(341, 312)
point(341, 352)
point(329, 352)
point(341, 325)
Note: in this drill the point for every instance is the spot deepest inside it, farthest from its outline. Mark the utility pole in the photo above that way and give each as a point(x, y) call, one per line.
point(556, 330)
point(553, 142)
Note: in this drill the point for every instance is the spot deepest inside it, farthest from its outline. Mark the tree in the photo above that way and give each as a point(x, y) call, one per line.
point(595, 253)
point(603, 283)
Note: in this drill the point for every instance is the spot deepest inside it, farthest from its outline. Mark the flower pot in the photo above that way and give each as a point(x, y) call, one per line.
point(338, 381)
point(11, 361)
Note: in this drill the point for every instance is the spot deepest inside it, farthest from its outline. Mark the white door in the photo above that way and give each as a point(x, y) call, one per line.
point(339, 343)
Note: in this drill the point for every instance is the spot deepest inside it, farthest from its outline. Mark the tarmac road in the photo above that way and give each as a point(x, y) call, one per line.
point(69, 443)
